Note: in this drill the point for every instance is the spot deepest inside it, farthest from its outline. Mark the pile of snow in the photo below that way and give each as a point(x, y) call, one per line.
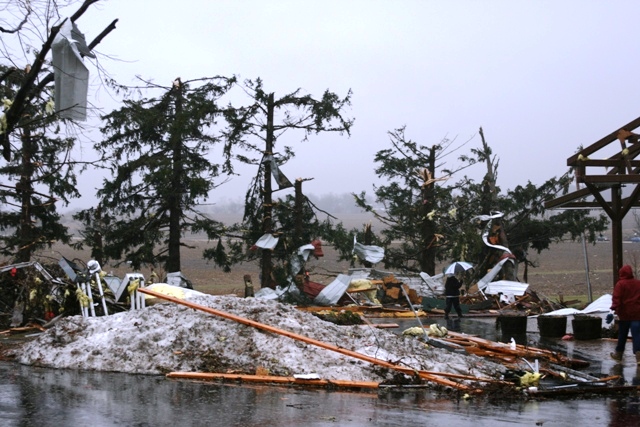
point(170, 337)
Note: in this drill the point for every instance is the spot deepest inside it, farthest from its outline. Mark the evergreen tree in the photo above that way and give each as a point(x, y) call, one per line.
point(417, 210)
point(38, 177)
point(157, 150)
point(427, 220)
point(96, 225)
point(251, 138)
point(524, 223)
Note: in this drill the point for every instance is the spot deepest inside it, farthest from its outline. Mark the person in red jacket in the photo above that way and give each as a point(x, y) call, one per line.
point(626, 305)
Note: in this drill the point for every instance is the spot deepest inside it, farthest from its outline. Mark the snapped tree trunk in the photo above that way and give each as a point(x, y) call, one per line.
point(428, 252)
point(175, 209)
point(25, 189)
point(267, 205)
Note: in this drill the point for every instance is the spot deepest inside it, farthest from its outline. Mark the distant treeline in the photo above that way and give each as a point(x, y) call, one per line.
point(335, 204)
point(229, 211)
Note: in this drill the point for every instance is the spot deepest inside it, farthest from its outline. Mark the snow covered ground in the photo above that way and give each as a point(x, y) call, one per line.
point(169, 337)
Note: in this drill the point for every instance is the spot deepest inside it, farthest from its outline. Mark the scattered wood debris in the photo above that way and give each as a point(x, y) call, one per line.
point(526, 368)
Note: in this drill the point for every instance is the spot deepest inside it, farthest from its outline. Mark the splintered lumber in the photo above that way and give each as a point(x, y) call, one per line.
point(519, 300)
point(371, 311)
point(393, 293)
point(424, 375)
point(491, 354)
point(273, 380)
point(577, 375)
point(413, 296)
point(481, 346)
point(390, 280)
point(22, 329)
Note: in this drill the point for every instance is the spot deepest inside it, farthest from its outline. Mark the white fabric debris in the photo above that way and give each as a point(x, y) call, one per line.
point(267, 241)
point(372, 254)
point(71, 76)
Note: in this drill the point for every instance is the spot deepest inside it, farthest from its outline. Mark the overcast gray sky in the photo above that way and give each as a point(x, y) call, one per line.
point(540, 77)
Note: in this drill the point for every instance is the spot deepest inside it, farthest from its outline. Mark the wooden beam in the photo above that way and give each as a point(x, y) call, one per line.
point(630, 201)
point(616, 233)
point(612, 179)
point(314, 382)
point(603, 141)
point(555, 203)
point(609, 163)
point(601, 201)
point(617, 162)
point(273, 379)
point(567, 198)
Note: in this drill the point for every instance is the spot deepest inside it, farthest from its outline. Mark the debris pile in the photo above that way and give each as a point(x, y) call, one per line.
point(167, 337)
point(227, 337)
point(33, 293)
point(370, 288)
point(253, 339)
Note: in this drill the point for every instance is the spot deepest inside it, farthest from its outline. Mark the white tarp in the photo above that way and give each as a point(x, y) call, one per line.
point(372, 254)
point(433, 283)
point(267, 241)
point(484, 281)
point(71, 76)
point(331, 293)
point(601, 305)
point(506, 287)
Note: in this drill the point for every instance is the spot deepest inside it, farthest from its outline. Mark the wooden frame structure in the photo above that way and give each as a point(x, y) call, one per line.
point(622, 170)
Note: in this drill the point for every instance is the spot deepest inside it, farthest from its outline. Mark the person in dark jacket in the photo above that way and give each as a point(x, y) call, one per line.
point(452, 294)
point(626, 304)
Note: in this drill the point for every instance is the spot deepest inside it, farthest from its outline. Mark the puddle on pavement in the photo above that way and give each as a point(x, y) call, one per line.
point(47, 397)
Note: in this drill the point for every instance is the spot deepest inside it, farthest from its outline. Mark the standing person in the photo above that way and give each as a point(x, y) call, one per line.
point(626, 304)
point(452, 294)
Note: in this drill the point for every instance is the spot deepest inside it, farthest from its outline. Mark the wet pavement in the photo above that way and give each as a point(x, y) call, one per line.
point(48, 397)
